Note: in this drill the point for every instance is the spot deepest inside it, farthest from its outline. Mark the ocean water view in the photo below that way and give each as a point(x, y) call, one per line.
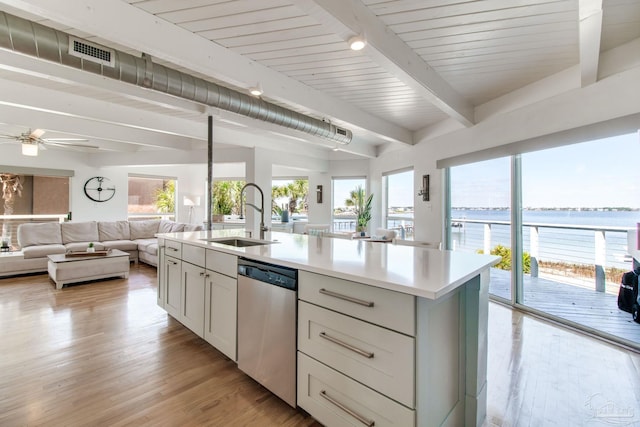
point(555, 244)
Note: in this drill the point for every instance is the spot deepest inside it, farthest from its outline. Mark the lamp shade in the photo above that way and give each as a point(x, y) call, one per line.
point(186, 201)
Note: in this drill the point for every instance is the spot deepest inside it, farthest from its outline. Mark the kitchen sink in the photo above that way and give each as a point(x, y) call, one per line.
point(238, 242)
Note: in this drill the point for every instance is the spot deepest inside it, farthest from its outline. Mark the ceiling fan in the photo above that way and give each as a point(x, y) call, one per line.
point(32, 140)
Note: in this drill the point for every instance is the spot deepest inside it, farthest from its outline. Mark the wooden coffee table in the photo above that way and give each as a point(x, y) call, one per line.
point(64, 269)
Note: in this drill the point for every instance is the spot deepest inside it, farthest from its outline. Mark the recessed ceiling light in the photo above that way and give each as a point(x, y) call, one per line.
point(256, 90)
point(357, 42)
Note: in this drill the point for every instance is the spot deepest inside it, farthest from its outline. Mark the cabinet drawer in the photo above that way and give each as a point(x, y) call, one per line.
point(193, 254)
point(172, 248)
point(336, 400)
point(377, 357)
point(390, 309)
point(222, 263)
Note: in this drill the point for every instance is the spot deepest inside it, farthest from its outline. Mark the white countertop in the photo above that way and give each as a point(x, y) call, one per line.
point(428, 273)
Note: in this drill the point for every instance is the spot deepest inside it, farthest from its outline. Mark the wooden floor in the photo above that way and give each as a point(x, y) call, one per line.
point(103, 354)
point(595, 310)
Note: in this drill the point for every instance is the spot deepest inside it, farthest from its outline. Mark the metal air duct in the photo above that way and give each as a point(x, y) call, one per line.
point(33, 39)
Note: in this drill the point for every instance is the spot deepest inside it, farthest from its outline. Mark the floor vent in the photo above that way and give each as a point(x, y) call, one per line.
point(91, 52)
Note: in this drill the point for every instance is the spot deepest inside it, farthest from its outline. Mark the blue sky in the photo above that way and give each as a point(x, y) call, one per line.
point(600, 173)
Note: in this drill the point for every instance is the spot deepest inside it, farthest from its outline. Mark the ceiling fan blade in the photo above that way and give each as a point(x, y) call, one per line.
point(2, 136)
point(36, 134)
point(69, 145)
point(65, 139)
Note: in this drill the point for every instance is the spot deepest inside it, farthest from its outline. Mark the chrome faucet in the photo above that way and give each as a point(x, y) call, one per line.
point(259, 209)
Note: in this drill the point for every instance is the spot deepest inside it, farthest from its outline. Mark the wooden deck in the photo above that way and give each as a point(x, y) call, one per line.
point(596, 310)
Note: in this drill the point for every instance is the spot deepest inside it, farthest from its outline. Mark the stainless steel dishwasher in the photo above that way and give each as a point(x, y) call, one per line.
point(267, 317)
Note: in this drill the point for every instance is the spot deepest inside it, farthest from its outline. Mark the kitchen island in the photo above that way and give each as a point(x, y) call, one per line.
point(387, 334)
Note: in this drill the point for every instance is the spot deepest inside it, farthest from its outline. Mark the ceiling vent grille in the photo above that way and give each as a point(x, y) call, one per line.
point(91, 52)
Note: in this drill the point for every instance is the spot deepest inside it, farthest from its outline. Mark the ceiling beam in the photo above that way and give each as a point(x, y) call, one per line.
point(590, 15)
point(121, 23)
point(384, 47)
point(55, 122)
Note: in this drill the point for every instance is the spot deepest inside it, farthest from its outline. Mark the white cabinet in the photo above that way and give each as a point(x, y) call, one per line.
point(356, 353)
point(382, 307)
point(192, 307)
point(172, 278)
point(199, 289)
point(377, 357)
point(221, 300)
point(173, 249)
point(338, 401)
point(161, 294)
point(222, 263)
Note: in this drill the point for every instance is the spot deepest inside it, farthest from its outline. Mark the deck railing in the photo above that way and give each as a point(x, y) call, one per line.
point(597, 246)
point(401, 224)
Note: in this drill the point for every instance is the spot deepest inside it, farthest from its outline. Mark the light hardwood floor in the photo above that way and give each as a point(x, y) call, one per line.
point(103, 354)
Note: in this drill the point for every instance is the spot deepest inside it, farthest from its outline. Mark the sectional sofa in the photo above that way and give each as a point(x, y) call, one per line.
point(37, 240)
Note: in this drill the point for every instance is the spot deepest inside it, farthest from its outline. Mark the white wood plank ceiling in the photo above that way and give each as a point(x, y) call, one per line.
point(426, 61)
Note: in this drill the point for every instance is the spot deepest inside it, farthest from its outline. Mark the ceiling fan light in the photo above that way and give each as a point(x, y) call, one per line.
point(357, 43)
point(29, 149)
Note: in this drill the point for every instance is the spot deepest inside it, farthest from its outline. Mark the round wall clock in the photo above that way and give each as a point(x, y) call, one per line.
point(99, 189)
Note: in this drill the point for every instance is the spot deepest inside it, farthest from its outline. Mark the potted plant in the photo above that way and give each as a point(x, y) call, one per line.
point(91, 248)
point(222, 200)
point(362, 204)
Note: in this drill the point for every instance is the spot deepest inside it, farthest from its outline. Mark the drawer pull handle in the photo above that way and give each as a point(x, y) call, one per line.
point(173, 249)
point(366, 354)
point(354, 414)
point(346, 298)
point(173, 262)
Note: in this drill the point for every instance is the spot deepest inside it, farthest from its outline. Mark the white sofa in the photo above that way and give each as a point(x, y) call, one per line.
point(37, 240)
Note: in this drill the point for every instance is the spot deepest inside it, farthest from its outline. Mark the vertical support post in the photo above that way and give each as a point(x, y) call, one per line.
point(534, 246)
point(600, 260)
point(517, 264)
point(447, 238)
point(487, 239)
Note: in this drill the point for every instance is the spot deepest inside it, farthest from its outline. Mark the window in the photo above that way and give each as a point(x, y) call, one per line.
point(289, 195)
point(226, 197)
point(152, 197)
point(31, 197)
point(344, 217)
point(399, 196)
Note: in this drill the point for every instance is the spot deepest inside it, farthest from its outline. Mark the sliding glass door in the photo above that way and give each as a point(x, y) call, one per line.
point(579, 203)
point(480, 215)
point(560, 219)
